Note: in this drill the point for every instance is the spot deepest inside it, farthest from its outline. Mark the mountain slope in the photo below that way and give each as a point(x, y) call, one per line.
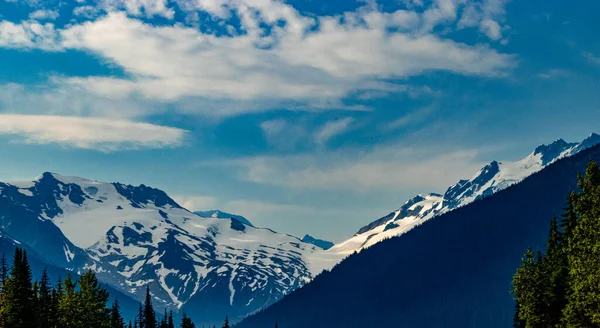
point(324, 244)
point(138, 237)
point(223, 215)
point(490, 179)
point(454, 271)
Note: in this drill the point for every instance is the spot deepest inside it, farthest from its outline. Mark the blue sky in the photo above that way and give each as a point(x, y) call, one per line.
point(305, 116)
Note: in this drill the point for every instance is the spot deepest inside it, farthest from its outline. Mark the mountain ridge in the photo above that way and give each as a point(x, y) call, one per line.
point(495, 176)
point(454, 271)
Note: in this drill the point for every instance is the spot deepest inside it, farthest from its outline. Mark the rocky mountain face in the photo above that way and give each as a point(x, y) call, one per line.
point(135, 237)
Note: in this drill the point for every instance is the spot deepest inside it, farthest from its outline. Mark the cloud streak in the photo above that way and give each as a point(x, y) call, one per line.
point(383, 168)
point(90, 133)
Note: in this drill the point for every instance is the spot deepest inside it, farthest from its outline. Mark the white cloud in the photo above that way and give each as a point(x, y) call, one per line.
point(86, 11)
point(411, 118)
point(44, 14)
point(554, 73)
point(490, 28)
point(592, 58)
point(332, 129)
point(283, 134)
point(29, 35)
point(487, 15)
point(318, 66)
point(383, 168)
point(140, 8)
point(90, 133)
point(308, 63)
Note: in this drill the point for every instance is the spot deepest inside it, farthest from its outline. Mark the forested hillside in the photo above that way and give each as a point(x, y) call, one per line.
point(453, 271)
point(68, 303)
point(560, 286)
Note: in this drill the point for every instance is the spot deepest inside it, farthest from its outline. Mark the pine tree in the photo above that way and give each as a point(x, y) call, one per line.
point(44, 308)
point(528, 283)
point(226, 324)
point(18, 308)
point(69, 306)
point(163, 321)
point(555, 275)
point(171, 324)
point(186, 322)
point(3, 280)
point(149, 314)
point(56, 296)
point(116, 319)
point(94, 301)
point(583, 308)
point(140, 321)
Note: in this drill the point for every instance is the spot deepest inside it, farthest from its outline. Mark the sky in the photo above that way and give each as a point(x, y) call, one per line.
point(304, 116)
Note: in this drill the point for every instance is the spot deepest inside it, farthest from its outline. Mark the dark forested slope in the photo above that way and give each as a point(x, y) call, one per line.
point(453, 271)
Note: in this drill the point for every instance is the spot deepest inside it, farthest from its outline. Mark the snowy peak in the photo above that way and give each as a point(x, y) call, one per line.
point(324, 244)
point(223, 215)
point(135, 237)
point(490, 179)
point(553, 151)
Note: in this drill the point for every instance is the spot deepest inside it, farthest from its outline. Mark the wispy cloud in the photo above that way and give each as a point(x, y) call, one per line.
point(592, 58)
point(553, 74)
point(332, 129)
point(383, 168)
point(410, 118)
point(90, 133)
point(43, 14)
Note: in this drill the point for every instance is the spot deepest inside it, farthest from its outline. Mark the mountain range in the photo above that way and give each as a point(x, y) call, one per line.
point(454, 271)
point(138, 237)
point(208, 263)
point(490, 179)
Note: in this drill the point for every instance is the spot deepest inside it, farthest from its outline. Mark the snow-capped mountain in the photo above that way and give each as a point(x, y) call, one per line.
point(324, 244)
point(490, 179)
point(135, 237)
point(223, 215)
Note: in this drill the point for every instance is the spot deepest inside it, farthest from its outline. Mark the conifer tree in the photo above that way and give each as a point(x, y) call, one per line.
point(186, 322)
point(18, 308)
point(93, 300)
point(170, 323)
point(149, 314)
point(45, 302)
point(163, 321)
point(116, 319)
point(226, 324)
point(583, 308)
point(69, 305)
point(140, 321)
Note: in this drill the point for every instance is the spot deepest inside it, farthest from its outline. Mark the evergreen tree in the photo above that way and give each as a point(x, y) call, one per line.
point(583, 308)
point(163, 321)
point(226, 324)
point(555, 275)
point(45, 302)
point(170, 322)
point(93, 300)
point(18, 307)
point(140, 321)
point(57, 294)
point(186, 322)
point(149, 314)
point(69, 306)
point(3, 280)
point(116, 319)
